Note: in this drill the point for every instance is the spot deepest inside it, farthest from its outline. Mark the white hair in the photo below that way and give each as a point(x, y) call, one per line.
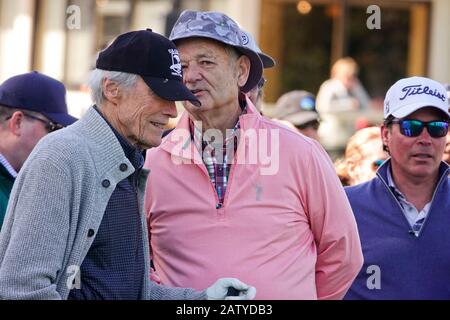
point(123, 79)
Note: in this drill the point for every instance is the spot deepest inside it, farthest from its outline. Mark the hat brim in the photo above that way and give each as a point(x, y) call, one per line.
point(302, 117)
point(267, 61)
point(256, 68)
point(172, 90)
point(63, 119)
point(410, 108)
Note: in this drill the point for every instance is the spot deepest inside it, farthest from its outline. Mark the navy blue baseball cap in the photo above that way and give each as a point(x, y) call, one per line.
point(37, 92)
point(151, 56)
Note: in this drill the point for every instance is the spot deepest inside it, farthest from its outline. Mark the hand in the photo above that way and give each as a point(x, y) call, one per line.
point(219, 290)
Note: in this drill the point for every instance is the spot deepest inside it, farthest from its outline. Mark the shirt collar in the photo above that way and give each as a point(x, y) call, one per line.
point(8, 166)
point(392, 185)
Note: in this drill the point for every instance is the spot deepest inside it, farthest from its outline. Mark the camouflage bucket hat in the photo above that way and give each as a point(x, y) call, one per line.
point(219, 27)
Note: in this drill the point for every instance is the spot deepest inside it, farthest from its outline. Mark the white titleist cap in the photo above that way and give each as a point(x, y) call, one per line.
point(411, 94)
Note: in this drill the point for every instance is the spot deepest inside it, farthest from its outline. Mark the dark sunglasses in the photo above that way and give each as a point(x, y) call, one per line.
point(49, 125)
point(413, 128)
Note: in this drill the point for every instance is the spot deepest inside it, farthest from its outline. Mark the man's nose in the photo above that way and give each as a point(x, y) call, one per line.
point(191, 74)
point(171, 109)
point(424, 137)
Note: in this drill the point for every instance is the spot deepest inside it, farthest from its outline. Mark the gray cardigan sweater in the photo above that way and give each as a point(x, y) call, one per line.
point(55, 210)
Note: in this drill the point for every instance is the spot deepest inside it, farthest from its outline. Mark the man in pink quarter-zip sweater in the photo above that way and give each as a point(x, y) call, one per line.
point(231, 193)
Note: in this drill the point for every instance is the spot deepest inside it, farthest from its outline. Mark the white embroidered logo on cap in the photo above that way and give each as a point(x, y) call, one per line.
point(244, 38)
point(176, 65)
point(412, 90)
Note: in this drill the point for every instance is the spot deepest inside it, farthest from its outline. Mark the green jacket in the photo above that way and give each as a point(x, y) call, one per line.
point(6, 184)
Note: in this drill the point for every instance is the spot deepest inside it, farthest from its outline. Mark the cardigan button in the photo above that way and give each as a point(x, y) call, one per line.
point(123, 167)
point(91, 232)
point(218, 206)
point(106, 183)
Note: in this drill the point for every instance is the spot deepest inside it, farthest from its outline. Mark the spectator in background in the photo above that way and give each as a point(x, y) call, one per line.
point(256, 94)
point(403, 213)
point(297, 109)
point(446, 156)
point(343, 92)
point(31, 106)
point(363, 155)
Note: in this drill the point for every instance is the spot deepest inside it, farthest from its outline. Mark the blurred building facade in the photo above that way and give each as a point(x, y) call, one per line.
point(62, 37)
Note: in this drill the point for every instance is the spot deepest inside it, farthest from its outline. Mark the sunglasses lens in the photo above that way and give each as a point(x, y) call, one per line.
point(438, 129)
point(411, 128)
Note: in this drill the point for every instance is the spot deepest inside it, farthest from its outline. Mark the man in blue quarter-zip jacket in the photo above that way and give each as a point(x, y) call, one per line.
point(403, 214)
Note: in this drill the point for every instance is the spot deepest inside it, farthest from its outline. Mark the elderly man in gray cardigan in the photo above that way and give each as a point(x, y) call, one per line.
point(74, 226)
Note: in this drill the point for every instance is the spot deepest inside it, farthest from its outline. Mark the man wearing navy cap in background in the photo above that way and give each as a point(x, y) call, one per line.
point(74, 227)
point(31, 106)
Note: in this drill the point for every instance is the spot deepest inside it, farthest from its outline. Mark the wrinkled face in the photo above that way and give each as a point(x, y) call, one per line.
point(415, 157)
point(213, 73)
point(142, 115)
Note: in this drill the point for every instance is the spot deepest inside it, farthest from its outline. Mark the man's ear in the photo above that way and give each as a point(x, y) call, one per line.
point(385, 134)
point(243, 68)
point(15, 124)
point(111, 91)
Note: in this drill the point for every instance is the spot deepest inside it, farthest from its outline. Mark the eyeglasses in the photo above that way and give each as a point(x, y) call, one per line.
point(49, 125)
point(413, 128)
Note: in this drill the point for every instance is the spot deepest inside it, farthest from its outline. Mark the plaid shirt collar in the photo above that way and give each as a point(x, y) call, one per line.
point(218, 165)
point(233, 134)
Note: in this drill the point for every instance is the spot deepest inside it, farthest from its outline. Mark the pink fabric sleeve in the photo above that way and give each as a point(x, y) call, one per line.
point(339, 255)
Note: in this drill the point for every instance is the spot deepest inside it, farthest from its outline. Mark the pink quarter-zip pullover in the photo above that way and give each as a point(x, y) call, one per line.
point(285, 226)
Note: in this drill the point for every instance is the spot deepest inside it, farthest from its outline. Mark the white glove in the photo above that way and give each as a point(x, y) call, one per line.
point(219, 290)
